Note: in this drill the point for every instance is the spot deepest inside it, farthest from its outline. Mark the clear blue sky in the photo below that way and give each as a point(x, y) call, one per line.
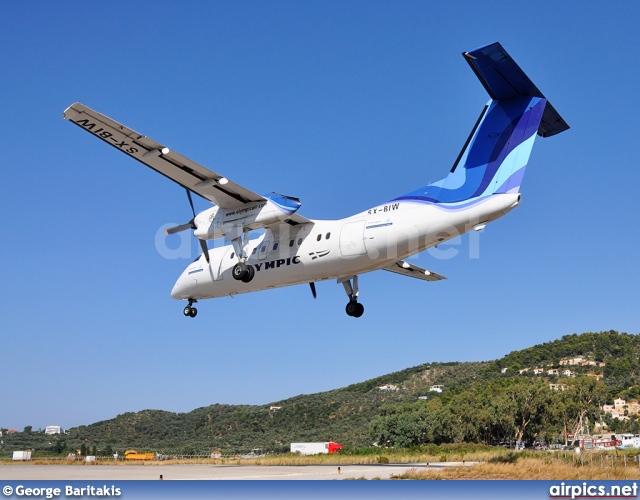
point(343, 104)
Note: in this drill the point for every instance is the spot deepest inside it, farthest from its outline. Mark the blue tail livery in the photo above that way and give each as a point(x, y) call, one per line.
point(495, 156)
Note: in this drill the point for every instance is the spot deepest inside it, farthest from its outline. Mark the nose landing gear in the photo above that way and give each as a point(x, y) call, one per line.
point(190, 311)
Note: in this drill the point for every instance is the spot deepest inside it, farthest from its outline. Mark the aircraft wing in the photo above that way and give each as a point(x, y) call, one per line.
point(202, 181)
point(413, 271)
point(295, 219)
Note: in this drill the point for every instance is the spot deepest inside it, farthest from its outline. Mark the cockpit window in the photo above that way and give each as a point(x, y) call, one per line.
point(196, 259)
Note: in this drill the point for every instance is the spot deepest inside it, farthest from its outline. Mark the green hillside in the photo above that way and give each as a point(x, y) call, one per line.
point(341, 415)
point(480, 403)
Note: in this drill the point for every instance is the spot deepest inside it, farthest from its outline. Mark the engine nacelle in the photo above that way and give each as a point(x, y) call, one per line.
point(217, 222)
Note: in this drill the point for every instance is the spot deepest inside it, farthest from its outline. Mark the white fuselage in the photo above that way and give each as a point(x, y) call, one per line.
point(334, 249)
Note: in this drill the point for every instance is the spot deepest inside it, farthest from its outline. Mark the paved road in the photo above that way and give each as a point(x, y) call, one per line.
point(27, 472)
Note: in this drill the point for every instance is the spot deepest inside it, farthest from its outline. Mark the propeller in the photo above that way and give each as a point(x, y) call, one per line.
point(182, 227)
point(191, 225)
point(313, 290)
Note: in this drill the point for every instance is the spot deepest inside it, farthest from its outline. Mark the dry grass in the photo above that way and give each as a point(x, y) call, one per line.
point(531, 468)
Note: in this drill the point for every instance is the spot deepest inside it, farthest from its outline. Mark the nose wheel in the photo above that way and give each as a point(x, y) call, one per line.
point(190, 311)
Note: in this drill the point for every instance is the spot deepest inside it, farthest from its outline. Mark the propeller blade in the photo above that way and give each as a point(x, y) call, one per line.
point(191, 225)
point(181, 227)
point(313, 290)
point(205, 249)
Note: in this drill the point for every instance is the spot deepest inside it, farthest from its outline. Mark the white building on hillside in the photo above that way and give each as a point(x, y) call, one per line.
point(388, 387)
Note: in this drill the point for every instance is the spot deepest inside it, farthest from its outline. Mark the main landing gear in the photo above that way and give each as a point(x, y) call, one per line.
point(243, 272)
point(354, 308)
point(190, 311)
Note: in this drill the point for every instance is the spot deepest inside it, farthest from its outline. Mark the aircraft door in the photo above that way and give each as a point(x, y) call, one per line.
point(352, 239)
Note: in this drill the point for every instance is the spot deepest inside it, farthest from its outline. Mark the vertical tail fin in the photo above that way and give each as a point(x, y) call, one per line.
point(494, 157)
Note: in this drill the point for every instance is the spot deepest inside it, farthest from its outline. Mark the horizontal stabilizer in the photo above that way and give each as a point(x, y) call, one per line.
point(503, 79)
point(413, 271)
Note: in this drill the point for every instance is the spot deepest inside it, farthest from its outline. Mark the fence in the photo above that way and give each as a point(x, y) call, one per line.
point(595, 458)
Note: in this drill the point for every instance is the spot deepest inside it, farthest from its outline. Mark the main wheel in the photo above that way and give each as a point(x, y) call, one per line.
point(239, 270)
point(193, 312)
point(251, 272)
point(359, 310)
point(187, 311)
point(351, 308)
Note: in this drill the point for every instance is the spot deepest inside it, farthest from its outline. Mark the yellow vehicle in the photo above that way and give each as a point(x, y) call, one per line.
point(134, 455)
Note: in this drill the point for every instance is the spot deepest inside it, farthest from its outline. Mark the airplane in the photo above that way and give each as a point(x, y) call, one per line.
point(482, 185)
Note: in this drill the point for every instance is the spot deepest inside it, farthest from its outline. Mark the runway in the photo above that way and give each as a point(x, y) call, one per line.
point(153, 471)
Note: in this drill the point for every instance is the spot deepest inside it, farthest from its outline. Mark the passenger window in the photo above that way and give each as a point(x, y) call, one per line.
point(275, 246)
point(232, 254)
point(264, 248)
point(319, 237)
point(291, 243)
point(299, 241)
point(328, 235)
point(254, 251)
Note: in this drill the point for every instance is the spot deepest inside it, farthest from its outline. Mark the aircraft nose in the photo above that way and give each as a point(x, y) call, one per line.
point(176, 292)
point(181, 290)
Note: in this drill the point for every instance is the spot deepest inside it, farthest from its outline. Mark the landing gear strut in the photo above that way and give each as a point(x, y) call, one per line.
point(354, 308)
point(190, 311)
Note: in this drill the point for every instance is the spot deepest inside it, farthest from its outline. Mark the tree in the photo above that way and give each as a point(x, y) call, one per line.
point(529, 403)
point(27, 429)
point(59, 446)
point(578, 404)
